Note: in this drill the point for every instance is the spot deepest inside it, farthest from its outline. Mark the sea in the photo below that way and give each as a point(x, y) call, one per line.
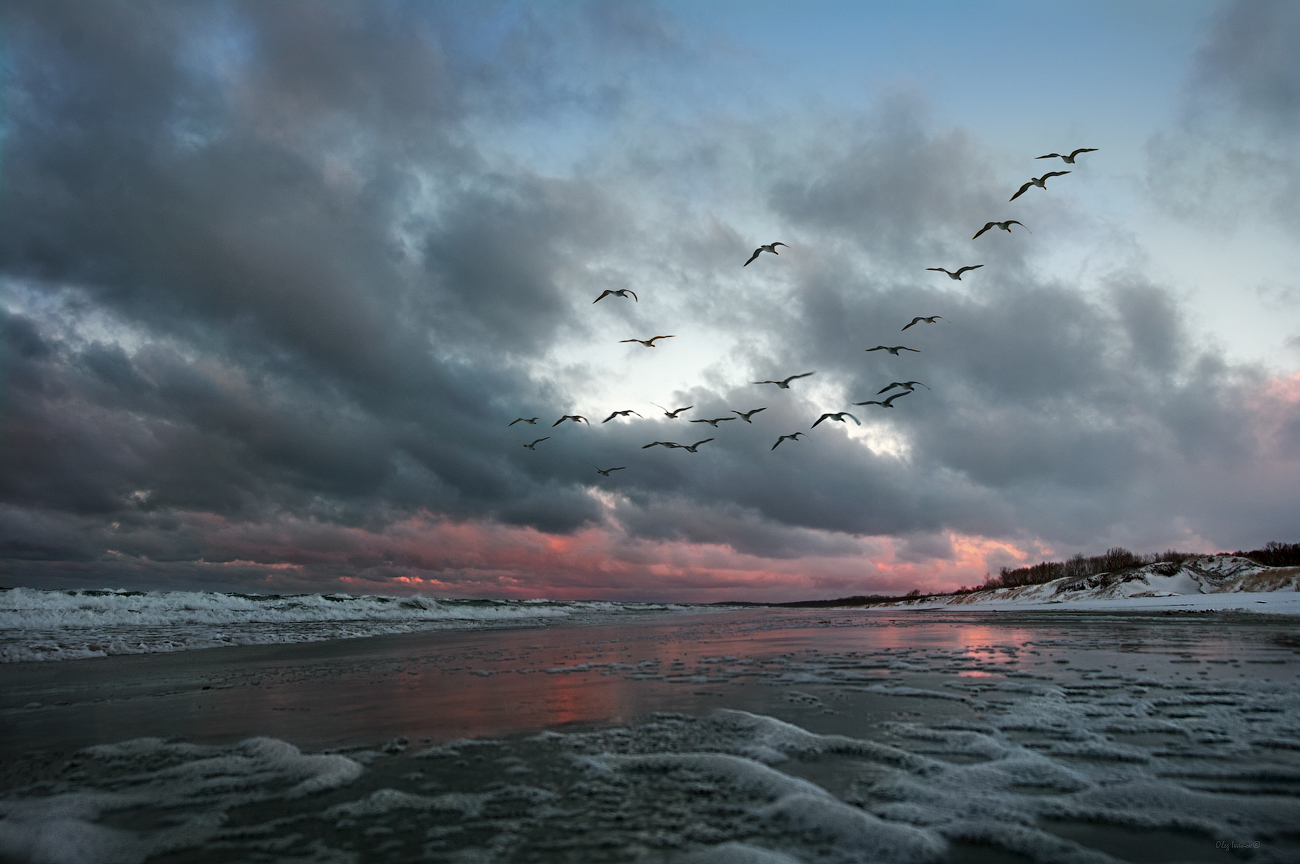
point(207, 727)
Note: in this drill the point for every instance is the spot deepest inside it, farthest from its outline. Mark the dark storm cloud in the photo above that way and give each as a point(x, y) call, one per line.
point(273, 293)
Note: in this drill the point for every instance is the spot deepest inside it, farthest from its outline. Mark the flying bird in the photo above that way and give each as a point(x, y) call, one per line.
point(888, 403)
point(649, 343)
point(770, 247)
point(671, 415)
point(574, 417)
point(618, 414)
point(1040, 182)
point(533, 446)
point(617, 292)
point(839, 416)
point(531, 421)
point(714, 422)
point(690, 448)
point(896, 348)
point(1005, 226)
point(785, 385)
point(960, 270)
point(605, 471)
point(794, 437)
point(910, 385)
point(745, 415)
point(928, 320)
point(1069, 160)
point(668, 444)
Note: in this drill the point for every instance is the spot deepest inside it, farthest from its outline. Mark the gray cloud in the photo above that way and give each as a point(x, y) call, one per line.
point(266, 265)
point(1241, 122)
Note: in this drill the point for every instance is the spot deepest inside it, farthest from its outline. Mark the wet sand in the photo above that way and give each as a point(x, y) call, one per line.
point(904, 680)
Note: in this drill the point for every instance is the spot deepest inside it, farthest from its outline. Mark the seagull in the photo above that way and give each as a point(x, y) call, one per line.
point(649, 343)
point(533, 446)
point(531, 421)
point(896, 348)
point(690, 448)
point(928, 320)
point(770, 247)
point(745, 415)
point(888, 403)
point(574, 417)
point(714, 422)
point(671, 415)
point(1040, 182)
point(1005, 226)
point(785, 385)
point(910, 385)
point(840, 417)
point(960, 270)
point(605, 471)
point(1069, 160)
point(794, 437)
point(668, 444)
point(617, 292)
point(618, 414)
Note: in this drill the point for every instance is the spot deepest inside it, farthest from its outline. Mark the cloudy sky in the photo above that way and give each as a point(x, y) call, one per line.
point(276, 277)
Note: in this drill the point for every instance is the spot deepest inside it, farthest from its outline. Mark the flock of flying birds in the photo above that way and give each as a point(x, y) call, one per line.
point(906, 388)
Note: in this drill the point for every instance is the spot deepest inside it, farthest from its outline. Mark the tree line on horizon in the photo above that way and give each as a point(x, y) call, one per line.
point(1114, 560)
point(1118, 559)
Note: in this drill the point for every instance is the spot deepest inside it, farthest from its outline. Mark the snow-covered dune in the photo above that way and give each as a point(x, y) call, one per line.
point(1215, 582)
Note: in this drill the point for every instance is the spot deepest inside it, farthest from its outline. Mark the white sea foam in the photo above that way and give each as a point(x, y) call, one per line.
point(677, 789)
point(63, 625)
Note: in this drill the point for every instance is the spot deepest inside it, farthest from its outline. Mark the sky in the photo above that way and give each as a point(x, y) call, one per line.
point(276, 278)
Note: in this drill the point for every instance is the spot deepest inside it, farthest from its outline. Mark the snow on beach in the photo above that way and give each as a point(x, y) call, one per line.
point(1214, 583)
point(70, 625)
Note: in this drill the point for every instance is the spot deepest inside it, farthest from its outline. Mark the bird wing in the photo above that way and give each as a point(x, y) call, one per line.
point(577, 417)
point(986, 227)
point(1082, 150)
point(1018, 194)
point(602, 296)
point(792, 377)
point(540, 440)
point(705, 441)
point(1011, 222)
point(821, 418)
point(879, 347)
point(558, 422)
point(1051, 155)
point(969, 267)
point(619, 468)
point(777, 243)
point(939, 270)
point(905, 348)
point(914, 320)
point(886, 389)
point(610, 417)
point(629, 340)
point(851, 417)
point(1054, 174)
point(513, 422)
point(634, 297)
point(752, 257)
